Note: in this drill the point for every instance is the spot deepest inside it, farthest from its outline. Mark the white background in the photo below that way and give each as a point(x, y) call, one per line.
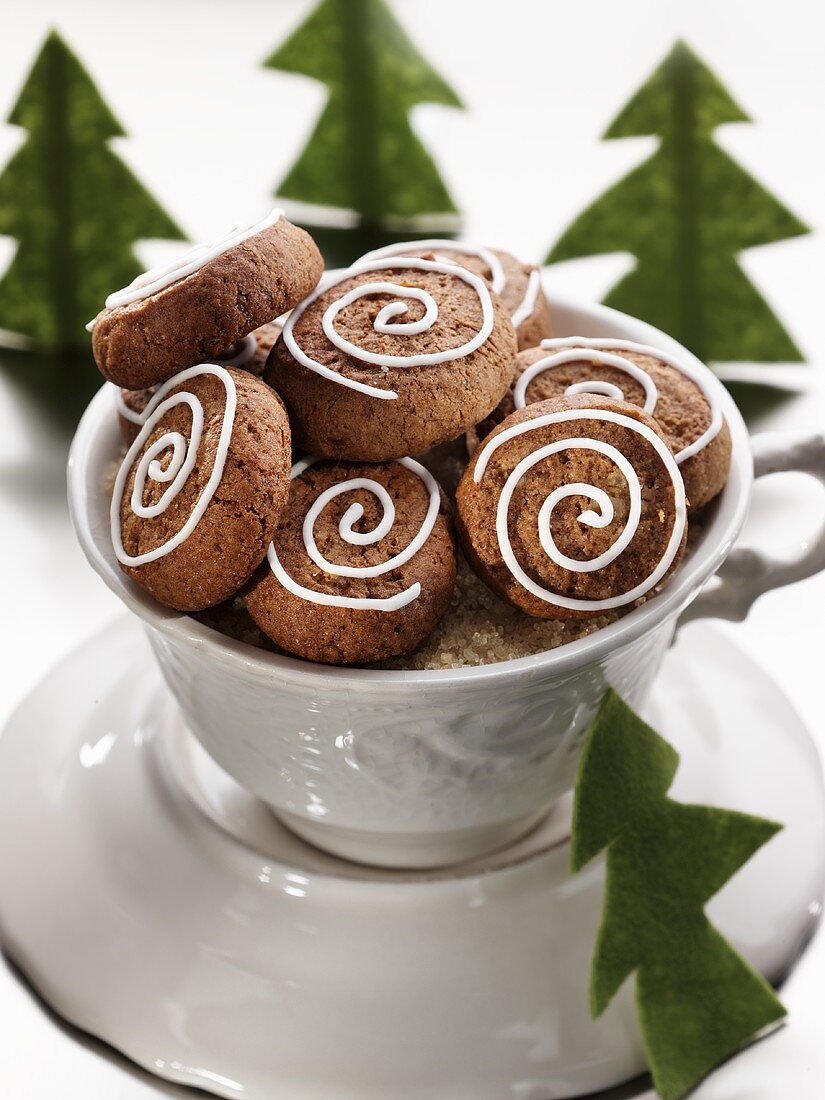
point(211, 132)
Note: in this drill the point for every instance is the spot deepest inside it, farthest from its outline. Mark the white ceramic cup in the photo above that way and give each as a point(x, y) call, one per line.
point(427, 768)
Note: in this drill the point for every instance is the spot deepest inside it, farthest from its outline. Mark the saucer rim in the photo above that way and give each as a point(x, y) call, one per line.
point(530, 882)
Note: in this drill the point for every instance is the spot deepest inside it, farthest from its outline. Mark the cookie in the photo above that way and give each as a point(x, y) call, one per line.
point(198, 495)
point(195, 307)
point(573, 507)
point(233, 620)
point(362, 565)
point(686, 407)
point(392, 357)
point(517, 284)
point(249, 354)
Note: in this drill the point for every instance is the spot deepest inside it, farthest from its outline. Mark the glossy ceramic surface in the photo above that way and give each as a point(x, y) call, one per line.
point(420, 768)
point(156, 904)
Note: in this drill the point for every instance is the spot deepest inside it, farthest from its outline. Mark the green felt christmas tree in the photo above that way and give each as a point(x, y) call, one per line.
point(686, 214)
point(363, 159)
point(75, 211)
point(698, 1001)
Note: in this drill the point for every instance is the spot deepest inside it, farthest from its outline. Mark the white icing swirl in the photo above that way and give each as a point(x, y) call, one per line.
point(124, 410)
point(498, 278)
point(242, 351)
point(346, 528)
point(574, 349)
point(384, 322)
point(599, 517)
point(174, 470)
point(158, 278)
point(528, 302)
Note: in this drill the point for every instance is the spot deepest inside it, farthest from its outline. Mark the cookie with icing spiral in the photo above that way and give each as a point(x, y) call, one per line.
point(198, 495)
point(573, 507)
point(362, 564)
point(516, 283)
point(392, 357)
point(685, 405)
point(192, 309)
point(249, 354)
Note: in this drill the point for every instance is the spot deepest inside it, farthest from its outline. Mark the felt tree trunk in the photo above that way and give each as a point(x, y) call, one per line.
point(686, 214)
point(75, 211)
point(363, 160)
point(698, 1001)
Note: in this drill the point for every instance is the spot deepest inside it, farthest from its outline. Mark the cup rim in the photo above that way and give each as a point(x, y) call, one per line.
point(85, 485)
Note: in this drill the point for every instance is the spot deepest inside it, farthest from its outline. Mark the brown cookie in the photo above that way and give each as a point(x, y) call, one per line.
point(193, 309)
point(375, 575)
point(419, 347)
point(675, 394)
point(517, 284)
point(249, 354)
point(199, 492)
point(532, 505)
point(233, 620)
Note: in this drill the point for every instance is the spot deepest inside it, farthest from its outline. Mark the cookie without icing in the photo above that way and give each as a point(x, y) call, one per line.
point(565, 483)
point(169, 319)
point(517, 284)
point(343, 586)
point(249, 354)
point(392, 358)
point(689, 417)
point(194, 509)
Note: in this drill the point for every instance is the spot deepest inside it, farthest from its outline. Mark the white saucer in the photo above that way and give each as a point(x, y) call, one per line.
point(157, 905)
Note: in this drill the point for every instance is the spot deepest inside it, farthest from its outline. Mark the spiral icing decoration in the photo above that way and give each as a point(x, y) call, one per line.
point(574, 349)
point(170, 460)
point(498, 278)
point(387, 321)
point(239, 354)
point(346, 529)
point(600, 516)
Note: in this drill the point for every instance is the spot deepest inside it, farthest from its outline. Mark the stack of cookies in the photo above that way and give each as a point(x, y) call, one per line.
point(281, 426)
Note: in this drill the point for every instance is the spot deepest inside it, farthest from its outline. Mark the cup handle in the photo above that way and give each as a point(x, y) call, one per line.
point(747, 572)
